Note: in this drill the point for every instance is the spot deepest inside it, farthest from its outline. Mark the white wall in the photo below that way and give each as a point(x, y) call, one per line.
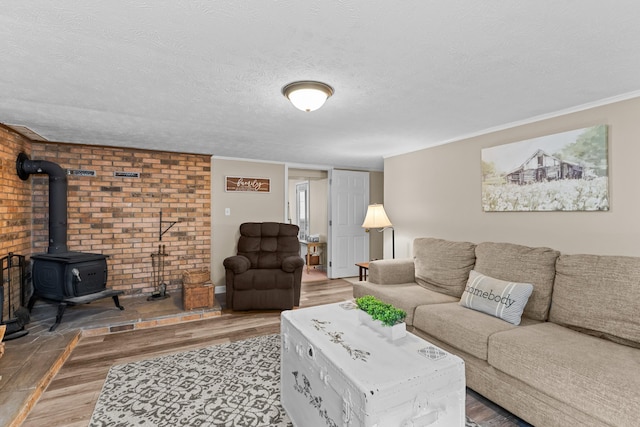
point(318, 205)
point(437, 192)
point(244, 206)
point(377, 238)
point(259, 207)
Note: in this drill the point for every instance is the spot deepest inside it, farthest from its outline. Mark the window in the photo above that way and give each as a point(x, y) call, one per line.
point(302, 209)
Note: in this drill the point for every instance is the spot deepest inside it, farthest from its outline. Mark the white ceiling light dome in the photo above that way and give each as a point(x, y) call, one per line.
point(307, 95)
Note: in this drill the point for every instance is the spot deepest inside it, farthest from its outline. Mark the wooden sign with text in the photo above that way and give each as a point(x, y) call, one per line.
point(256, 185)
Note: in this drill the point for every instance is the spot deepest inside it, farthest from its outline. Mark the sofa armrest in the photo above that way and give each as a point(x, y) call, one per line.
point(237, 263)
point(392, 271)
point(291, 263)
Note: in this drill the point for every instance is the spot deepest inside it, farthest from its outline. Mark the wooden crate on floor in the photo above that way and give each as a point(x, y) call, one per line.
point(198, 296)
point(196, 276)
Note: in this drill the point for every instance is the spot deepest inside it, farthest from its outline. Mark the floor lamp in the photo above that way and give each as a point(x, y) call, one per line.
point(376, 217)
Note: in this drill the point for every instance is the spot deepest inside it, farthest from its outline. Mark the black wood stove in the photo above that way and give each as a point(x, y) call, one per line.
point(67, 275)
point(61, 275)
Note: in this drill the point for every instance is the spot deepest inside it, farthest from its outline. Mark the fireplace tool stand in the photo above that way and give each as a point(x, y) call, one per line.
point(157, 265)
point(16, 318)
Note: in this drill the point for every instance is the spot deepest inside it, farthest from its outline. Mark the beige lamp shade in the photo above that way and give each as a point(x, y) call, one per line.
point(376, 217)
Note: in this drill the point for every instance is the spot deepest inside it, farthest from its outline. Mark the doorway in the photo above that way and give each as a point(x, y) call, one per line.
point(337, 202)
point(302, 209)
point(307, 207)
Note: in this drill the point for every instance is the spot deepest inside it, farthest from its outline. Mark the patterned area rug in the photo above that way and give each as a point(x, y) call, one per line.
point(235, 384)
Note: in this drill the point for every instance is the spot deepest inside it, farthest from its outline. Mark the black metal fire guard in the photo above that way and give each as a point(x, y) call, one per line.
point(16, 318)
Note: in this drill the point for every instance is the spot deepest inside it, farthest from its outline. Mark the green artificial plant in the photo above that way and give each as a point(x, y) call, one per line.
point(386, 313)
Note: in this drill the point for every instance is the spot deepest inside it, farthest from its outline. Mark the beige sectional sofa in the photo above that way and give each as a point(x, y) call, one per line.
point(574, 357)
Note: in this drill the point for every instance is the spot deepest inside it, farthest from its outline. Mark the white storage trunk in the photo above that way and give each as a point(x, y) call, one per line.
point(337, 372)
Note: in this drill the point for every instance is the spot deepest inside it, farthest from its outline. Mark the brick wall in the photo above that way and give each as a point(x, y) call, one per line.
point(120, 217)
point(15, 208)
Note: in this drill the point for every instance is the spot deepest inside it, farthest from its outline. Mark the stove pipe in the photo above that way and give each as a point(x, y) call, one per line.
point(57, 198)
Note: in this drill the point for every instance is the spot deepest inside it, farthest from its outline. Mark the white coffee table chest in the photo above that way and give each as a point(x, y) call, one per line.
point(337, 372)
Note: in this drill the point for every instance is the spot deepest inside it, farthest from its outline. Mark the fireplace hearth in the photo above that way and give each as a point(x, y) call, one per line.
point(61, 275)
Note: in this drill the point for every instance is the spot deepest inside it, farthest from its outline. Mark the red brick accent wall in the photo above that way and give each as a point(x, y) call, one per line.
point(120, 217)
point(15, 206)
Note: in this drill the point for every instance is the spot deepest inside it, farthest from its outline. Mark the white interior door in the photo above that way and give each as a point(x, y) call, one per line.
point(349, 243)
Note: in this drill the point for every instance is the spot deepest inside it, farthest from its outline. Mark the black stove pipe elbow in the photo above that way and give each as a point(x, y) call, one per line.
point(57, 198)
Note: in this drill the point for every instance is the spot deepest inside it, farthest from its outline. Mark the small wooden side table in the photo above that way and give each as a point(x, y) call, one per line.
point(314, 248)
point(363, 268)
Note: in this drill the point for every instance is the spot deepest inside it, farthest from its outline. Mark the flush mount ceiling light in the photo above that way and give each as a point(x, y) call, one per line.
point(307, 95)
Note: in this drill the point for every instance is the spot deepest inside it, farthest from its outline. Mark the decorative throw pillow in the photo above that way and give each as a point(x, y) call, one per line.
point(499, 298)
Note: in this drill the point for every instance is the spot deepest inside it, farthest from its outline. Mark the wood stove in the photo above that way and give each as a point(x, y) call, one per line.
point(71, 274)
point(62, 275)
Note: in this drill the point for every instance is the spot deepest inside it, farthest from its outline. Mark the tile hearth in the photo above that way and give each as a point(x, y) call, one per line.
point(30, 362)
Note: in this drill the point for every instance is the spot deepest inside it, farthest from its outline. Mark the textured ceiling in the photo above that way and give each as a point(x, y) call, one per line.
point(205, 76)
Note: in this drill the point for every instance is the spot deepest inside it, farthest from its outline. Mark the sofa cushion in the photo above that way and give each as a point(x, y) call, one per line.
point(598, 295)
point(263, 279)
point(443, 265)
point(577, 369)
point(498, 298)
point(392, 271)
point(405, 296)
point(464, 329)
point(516, 263)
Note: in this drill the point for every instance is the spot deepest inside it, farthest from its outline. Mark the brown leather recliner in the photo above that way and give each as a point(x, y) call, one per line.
point(267, 271)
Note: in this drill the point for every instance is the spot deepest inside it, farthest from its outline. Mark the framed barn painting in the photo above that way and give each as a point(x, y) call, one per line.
point(561, 172)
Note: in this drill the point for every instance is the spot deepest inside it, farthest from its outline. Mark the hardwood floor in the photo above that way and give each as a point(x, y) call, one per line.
point(70, 398)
